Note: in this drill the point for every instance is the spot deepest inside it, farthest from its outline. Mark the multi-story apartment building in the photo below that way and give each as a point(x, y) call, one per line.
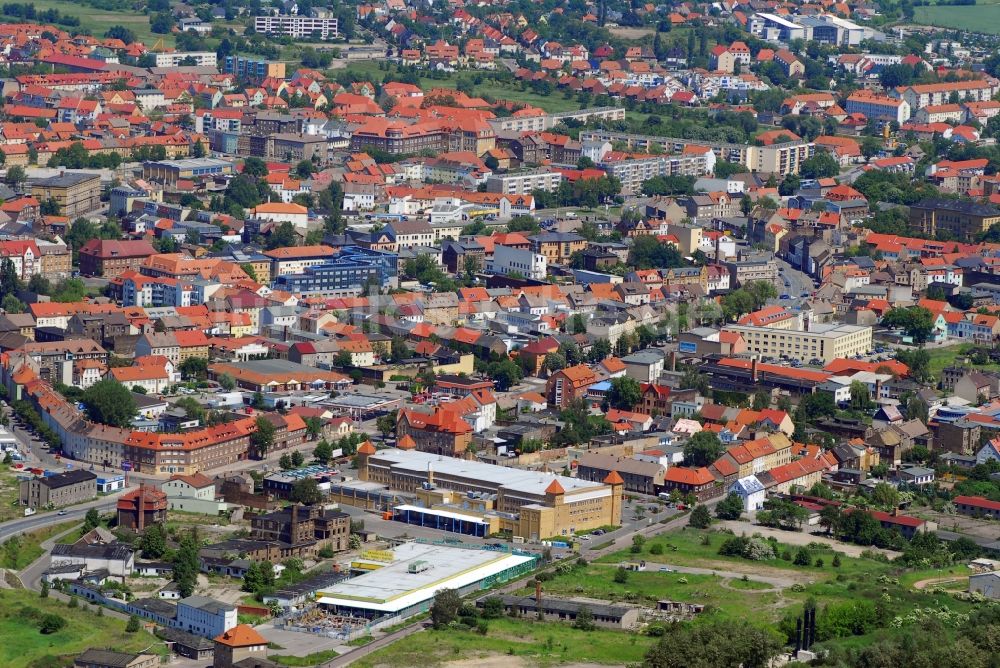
point(62, 489)
point(253, 69)
point(632, 172)
point(523, 183)
point(919, 96)
point(176, 58)
point(780, 159)
point(876, 106)
point(297, 27)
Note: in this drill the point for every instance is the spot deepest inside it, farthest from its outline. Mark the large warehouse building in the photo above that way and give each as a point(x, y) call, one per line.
point(402, 581)
point(530, 504)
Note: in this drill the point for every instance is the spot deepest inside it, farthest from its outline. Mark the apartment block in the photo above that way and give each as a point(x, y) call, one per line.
point(296, 26)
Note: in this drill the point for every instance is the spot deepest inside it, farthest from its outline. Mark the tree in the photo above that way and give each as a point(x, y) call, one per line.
point(9, 282)
point(304, 169)
point(92, 520)
point(861, 398)
point(621, 575)
point(714, 644)
point(255, 167)
point(285, 462)
point(554, 362)
point(153, 542)
point(387, 423)
point(648, 253)
point(133, 625)
point(262, 438)
point(761, 400)
point(730, 508)
point(15, 177)
point(493, 607)
point(12, 304)
point(820, 166)
point(194, 368)
point(282, 237)
point(323, 452)
point(916, 322)
point(227, 382)
point(579, 326)
point(802, 557)
point(885, 495)
point(187, 563)
point(584, 619)
point(306, 491)
point(192, 409)
point(44, 593)
point(700, 519)
point(298, 459)
point(702, 449)
point(109, 402)
point(625, 393)
point(445, 608)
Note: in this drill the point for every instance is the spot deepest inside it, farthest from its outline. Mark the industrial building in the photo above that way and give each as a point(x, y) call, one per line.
point(402, 581)
point(530, 504)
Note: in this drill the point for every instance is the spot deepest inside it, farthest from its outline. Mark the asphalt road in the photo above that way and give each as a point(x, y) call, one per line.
point(793, 282)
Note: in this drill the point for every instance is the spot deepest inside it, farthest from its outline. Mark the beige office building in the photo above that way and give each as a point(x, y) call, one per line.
point(825, 342)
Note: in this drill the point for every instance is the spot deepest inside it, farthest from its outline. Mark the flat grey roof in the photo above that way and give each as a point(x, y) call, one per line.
point(529, 482)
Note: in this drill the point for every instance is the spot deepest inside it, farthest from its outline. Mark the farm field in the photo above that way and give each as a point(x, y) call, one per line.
point(982, 17)
point(97, 21)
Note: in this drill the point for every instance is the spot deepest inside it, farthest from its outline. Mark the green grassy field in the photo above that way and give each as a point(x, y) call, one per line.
point(526, 641)
point(24, 646)
point(554, 103)
point(97, 21)
point(304, 661)
point(983, 17)
point(945, 357)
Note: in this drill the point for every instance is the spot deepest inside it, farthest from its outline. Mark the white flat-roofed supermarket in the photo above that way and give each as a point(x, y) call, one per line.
point(396, 588)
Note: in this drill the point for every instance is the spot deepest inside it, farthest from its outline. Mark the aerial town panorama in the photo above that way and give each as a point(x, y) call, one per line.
point(499, 334)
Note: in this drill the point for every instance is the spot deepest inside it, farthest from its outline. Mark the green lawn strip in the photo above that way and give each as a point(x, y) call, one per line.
point(308, 660)
point(30, 545)
point(539, 643)
point(23, 645)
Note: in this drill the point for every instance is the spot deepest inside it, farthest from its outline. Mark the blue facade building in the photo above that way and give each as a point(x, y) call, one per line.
point(348, 272)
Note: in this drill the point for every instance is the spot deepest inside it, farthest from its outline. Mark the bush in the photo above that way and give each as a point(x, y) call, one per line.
point(133, 625)
point(819, 562)
point(51, 623)
point(621, 575)
point(802, 557)
point(656, 548)
point(836, 561)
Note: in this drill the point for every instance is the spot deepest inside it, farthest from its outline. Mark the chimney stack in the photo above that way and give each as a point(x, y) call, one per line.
point(753, 370)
